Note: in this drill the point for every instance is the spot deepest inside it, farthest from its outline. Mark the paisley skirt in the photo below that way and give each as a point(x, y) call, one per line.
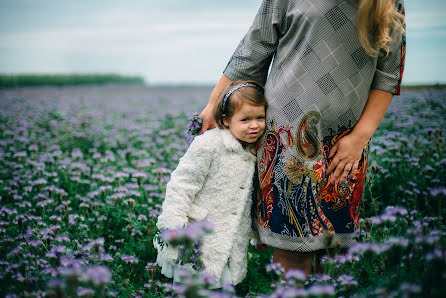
point(298, 209)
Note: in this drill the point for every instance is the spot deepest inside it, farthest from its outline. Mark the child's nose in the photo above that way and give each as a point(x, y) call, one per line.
point(254, 124)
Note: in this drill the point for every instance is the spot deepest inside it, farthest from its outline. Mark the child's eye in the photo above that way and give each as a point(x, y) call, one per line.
point(261, 117)
point(244, 120)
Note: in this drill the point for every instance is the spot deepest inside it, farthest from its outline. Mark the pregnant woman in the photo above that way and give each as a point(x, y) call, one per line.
point(330, 69)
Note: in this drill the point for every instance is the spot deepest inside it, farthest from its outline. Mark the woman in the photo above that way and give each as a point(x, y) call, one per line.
point(335, 68)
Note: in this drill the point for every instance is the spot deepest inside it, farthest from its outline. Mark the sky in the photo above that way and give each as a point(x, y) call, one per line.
point(170, 41)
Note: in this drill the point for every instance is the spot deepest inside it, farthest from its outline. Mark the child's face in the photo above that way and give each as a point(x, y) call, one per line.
point(248, 123)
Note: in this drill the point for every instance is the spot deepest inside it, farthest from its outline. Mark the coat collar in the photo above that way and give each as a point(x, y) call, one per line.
point(231, 143)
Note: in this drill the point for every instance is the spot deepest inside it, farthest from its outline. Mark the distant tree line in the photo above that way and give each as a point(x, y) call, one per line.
point(26, 80)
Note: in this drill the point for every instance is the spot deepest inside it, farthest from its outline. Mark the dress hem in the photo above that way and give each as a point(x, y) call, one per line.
point(304, 244)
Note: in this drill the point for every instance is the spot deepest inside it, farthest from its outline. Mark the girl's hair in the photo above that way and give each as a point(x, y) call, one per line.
point(376, 20)
point(236, 99)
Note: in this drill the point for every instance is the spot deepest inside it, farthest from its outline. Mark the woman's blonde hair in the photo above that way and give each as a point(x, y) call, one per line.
point(248, 94)
point(376, 20)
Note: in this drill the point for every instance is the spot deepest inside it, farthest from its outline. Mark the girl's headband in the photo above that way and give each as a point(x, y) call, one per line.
point(225, 99)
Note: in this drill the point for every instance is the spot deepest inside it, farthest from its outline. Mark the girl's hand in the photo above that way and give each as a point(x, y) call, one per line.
point(208, 119)
point(345, 154)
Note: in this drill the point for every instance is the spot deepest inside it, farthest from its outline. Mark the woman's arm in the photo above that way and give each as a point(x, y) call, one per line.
point(253, 55)
point(208, 117)
point(346, 153)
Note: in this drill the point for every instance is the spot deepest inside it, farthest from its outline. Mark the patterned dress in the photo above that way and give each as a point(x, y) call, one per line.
point(318, 83)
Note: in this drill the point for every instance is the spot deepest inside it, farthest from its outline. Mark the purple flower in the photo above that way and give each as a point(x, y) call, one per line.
point(275, 268)
point(207, 278)
point(228, 288)
point(346, 280)
point(19, 154)
point(321, 277)
point(81, 291)
point(438, 191)
point(151, 266)
point(136, 232)
point(39, 181)
point(154, 213)
point(118, 195)
point(410, 288)
point(394, 241)
point(94, 245)
point(290, 292)
point(296, 275)
point(42, 263)
point(184, 274)
point(194, 231)
point(179, 289)
point(73, 270)
point(324, 289)
point(360, 248)
point(129, 259)
point(56, 251)
point(98, 275)
point(15, 251)
point(142, 217)
point(390, 215)
point(57, 284)
point(121, 175)
point(437, 253)
point(194, 127)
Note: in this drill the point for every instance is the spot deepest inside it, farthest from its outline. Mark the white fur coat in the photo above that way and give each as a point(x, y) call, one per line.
point(213, 181)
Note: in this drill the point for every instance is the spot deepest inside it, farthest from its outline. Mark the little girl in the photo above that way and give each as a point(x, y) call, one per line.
point(214, 181)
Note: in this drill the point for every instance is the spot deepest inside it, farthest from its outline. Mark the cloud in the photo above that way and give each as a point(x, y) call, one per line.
point(173, 40)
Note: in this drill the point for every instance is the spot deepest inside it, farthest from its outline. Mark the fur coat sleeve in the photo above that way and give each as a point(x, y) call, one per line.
point(186, 181)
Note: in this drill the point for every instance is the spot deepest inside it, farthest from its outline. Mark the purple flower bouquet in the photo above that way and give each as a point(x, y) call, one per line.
point(194, 127)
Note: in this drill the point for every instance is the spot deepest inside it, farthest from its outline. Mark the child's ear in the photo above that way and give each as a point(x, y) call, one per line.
point(225, 120)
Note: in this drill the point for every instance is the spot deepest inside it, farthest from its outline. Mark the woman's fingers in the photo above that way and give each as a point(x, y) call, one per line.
point(355, 167)
point(333, 150)
point(208, 119)
point(335, 161)
point(204, 125)
point(348, 167)
point(338, 171)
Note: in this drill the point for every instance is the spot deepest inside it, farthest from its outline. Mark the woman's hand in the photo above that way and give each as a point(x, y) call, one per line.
point(345, 154)
point(207, 113)
point(208, 119)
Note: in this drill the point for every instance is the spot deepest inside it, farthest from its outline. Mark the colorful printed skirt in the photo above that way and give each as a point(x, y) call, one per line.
point(298, 209)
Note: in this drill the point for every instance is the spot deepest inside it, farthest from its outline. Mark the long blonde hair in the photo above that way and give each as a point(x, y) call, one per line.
point(376, 20)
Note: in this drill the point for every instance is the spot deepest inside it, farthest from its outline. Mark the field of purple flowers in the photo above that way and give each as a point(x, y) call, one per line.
point(83, 172)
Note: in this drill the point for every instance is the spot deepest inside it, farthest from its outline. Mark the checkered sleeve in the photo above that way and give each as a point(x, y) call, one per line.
point(389, 69)
point(252, 57)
